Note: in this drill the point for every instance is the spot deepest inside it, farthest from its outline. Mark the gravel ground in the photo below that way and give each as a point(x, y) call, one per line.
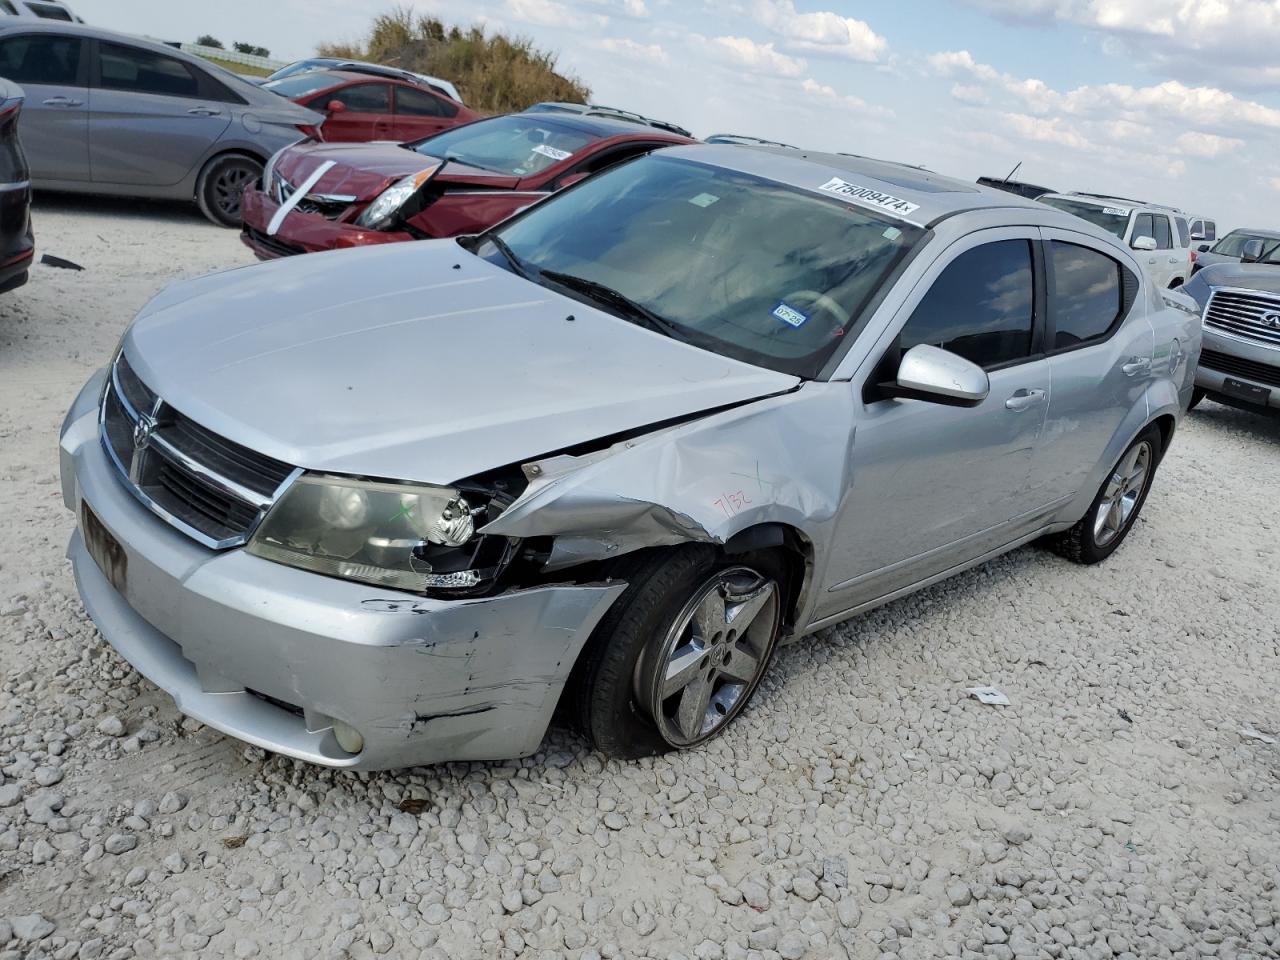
point(864, 806)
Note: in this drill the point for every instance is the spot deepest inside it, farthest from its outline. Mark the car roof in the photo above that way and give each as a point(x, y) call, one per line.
point(934, 195)
point(602, 126)
point(1253, 231)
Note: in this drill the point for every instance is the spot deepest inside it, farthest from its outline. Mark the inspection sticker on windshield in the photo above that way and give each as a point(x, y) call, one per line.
point(789, 315)
point(552, 152)
point(1116, 211)
point(869, 197)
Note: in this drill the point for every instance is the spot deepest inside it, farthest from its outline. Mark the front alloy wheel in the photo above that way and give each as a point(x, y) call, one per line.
point(711, 658)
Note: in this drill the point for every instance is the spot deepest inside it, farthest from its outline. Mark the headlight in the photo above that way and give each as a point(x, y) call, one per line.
point(381, 214)
point(390, 534)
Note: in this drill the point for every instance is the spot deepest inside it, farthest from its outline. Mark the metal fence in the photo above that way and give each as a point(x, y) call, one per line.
point(233, 56)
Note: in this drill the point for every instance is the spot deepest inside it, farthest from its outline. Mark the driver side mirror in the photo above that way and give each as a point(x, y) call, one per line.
point(1205, 247)
point(1143, 243)
point(335, 107)
point(939, 376)
point(1252, 251)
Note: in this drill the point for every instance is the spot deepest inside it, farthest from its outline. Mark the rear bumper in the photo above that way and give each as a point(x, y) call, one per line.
point(301, 232)
point(274, 656)
point(1237, 358)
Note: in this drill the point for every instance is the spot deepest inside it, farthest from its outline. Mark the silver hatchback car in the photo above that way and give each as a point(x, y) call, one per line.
point(392, 506)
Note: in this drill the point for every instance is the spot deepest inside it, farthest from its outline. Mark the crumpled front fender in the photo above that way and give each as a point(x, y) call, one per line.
point(770, 461)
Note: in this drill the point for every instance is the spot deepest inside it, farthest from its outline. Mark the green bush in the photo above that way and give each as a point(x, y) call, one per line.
point(495, 73)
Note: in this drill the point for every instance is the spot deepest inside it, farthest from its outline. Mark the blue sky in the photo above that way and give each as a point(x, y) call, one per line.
point(1176, 101)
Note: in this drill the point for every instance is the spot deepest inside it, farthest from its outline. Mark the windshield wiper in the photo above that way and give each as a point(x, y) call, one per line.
point(517, 265)
point(631, 310)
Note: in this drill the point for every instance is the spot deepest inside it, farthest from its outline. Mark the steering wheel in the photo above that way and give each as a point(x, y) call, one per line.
point(822, 301)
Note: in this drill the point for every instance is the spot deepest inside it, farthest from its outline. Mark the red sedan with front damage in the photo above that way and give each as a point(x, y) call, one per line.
point(321, 196)
point(360, 107)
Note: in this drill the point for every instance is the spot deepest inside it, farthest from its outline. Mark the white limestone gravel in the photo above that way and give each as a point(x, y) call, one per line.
point(865, 806)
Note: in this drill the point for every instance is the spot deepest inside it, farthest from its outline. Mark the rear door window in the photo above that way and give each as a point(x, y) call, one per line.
point(42, 59)
point(1210, 230)
point(981, 307)
point(1184, 235)
point(1142, 227)
point(419, 103)
point(1164, 236)
point(143, 71)
point(1086, 294)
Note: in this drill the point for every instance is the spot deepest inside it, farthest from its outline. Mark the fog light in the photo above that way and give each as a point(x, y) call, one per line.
point(348, 737)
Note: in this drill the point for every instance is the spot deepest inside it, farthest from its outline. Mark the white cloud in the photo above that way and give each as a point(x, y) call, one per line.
point(758, 56)
point(1196, 144)
point(635, 8)
point(1231, 42)
point(551, 13)
point(821, 31)
point(1045, 130)
point(625, 47)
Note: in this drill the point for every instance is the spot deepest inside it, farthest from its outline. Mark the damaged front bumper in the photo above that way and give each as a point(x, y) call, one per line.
point(301, 232)
point(276, 656)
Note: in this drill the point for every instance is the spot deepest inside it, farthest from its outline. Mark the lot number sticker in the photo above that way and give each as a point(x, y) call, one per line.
point(868, 197)
point(552, 152)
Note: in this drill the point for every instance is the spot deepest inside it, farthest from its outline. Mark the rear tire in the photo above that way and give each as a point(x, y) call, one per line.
point(661, 637)
point(221, 184)
point(1115, 509)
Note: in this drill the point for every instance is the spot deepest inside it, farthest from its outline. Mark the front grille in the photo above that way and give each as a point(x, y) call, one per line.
point(1236, 367)
point(320, 205)
point(210, 487)
point(273, 245)
point(1246, 314)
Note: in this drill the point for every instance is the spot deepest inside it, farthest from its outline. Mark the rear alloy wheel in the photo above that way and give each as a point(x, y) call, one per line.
point(1116, 507)
point(222, 184)
point(711, 657)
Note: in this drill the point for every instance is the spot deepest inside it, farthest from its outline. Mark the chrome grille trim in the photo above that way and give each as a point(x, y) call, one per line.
point(164, 473)
point(1240, 313)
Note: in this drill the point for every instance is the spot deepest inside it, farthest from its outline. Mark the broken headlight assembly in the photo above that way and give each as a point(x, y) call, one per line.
point(393, 203)
point(402, 536)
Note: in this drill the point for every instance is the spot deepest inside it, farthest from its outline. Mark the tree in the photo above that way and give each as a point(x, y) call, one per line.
point(209, 41)
point(250, 49)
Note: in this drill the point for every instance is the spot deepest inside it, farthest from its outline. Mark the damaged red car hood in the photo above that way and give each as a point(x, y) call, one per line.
point(415, 361)
point(364, 170)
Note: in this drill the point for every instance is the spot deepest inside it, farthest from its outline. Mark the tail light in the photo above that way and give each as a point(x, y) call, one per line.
point(1193, 255)
point(311, 131)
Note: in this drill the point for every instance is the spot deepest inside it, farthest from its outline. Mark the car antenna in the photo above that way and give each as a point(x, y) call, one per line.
point(1012, 172)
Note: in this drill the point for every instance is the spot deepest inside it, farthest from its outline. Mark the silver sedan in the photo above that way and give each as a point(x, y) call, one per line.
point(392, 506)
point(113, 114)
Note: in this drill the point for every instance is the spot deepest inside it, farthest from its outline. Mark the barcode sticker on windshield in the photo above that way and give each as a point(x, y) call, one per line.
point(789, 315)
point(552, 152)
point(1116, 211)
point(870, 198)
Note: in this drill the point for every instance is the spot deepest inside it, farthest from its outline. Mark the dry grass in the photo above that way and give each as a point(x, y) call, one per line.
point(494, 72)
point(240, 67)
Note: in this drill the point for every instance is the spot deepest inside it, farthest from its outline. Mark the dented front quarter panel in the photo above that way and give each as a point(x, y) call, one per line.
point(784, 459)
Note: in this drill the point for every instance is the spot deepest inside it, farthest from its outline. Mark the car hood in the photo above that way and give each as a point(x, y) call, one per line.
point(364, 170)
point(1250, 276)
point(415, 361)
point(1210, 259)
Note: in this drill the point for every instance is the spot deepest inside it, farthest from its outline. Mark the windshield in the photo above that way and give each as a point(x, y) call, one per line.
point(299, 66)
point(1112, 219)
point(517, 145)
point(750, 268)
point(1232, 245)
point(302, 84)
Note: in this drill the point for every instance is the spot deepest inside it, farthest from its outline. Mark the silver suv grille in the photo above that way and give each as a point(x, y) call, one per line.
point(212, 489)
point(1245, 313)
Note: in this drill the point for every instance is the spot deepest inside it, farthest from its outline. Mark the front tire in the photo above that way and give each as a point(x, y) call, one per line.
point(680, 654)
point(1115, 509)
point(221, 185)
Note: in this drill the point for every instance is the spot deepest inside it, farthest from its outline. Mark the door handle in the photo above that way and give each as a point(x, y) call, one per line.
point(1024, 399)
point(62, 102)
point(204, 112)
point(1136, 366)
point(1173, 259)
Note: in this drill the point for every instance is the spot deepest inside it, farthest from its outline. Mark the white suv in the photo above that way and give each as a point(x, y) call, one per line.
point(1158, 235)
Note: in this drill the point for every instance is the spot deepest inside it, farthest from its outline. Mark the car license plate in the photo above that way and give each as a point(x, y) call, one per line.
point(104, 548)
point(1245, 391)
